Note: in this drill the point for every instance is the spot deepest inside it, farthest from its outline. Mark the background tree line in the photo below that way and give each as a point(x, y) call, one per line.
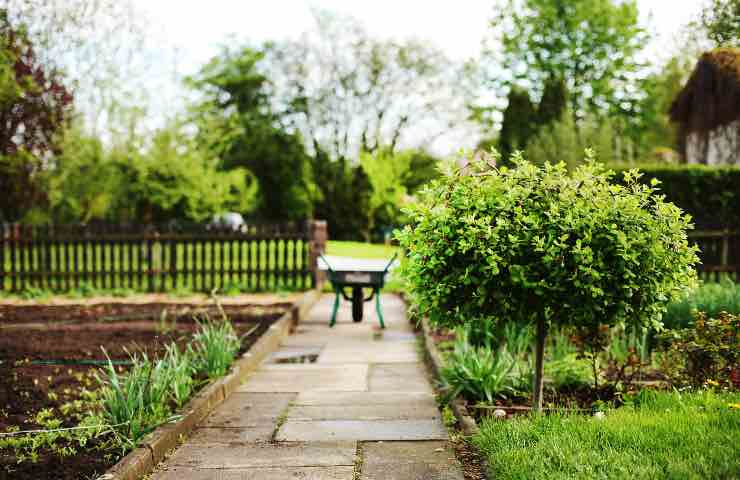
point(336, 125)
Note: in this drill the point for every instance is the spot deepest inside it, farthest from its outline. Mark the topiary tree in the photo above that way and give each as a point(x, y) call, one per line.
point(536, 244)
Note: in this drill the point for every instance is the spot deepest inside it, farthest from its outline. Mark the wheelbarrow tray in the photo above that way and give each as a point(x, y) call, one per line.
point(357, 275)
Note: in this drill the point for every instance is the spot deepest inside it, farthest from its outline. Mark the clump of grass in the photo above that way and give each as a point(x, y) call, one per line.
point(656, 435)
point(214, 347)
point(710, 298)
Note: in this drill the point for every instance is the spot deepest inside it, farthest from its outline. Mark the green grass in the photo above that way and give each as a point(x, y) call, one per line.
point(360, 249)
point(711, 298)
point(662, 435)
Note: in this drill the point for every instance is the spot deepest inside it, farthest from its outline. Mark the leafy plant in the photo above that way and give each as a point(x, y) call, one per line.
point(216, 344)
point(478, 373)
point(709, 352)
point(537, 245)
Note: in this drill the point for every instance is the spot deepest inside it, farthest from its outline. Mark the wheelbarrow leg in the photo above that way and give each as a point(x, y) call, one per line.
point(378, 309)
point(334, 310)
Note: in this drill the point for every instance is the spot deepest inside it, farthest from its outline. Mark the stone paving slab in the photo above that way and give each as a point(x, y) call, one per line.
point(344, 430)
point(432, 460)
point(246, 409)
point(402, 377)
point(276, 473)
point(258, 432)
point(307, 377)
point(365, 398)
point(380, 352)
point(363, 412)
point(218, 456)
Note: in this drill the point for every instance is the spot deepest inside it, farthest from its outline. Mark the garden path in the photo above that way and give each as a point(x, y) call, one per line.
point(363, 409)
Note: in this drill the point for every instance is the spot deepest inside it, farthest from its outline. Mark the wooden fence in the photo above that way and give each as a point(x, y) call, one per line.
point(255, 257)
point(719, 253)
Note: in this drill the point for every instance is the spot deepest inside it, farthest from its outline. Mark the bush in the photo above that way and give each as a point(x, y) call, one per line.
point(708, 352)
point(710, 298)
point(661, 435)
point(537, 245)
point(708, 193)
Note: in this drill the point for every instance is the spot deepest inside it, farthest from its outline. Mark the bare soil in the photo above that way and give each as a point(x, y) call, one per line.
point(43, 351)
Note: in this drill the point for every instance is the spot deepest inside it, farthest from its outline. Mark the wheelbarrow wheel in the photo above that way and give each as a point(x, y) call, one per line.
point(357, 303)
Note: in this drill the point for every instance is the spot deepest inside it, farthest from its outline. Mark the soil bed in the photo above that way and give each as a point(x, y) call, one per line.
point(46, 354)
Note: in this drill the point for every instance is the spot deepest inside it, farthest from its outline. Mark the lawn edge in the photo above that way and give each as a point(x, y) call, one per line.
point(466, 421)
point(155, 446)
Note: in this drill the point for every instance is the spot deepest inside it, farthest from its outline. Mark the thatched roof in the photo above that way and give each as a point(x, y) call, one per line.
point(711, 97)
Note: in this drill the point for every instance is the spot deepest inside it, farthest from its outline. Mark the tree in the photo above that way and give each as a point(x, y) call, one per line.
point(236, 122)
point(87, 181)
point(100, 47)
point(347, 92)
point(553, 102)
point(539, 245)
point(518, 124)
point(590, 44)
point(565, 140)
point(721, 21)
point(34, 107)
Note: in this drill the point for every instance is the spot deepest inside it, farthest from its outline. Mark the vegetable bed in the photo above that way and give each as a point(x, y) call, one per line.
point(49, 369)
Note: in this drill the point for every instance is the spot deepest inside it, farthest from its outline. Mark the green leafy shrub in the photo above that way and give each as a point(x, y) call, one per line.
point(710, 298)
point(708, 353)
point(537, 245)
point(568, 372)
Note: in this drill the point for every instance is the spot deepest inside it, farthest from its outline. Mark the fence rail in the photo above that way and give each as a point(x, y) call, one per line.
point(719, 253)
point(255, 257)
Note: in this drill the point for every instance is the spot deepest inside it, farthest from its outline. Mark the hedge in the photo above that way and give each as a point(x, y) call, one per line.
point(711, 195)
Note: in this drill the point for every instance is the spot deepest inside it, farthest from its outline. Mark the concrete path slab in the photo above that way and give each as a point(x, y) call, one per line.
point(344, 430)
point(316, 454)
point(307, 377)
point(409, 460)
point(366, 401)
point(365, 398)
point(363, 412)
point(270, 473)
point(245, 409)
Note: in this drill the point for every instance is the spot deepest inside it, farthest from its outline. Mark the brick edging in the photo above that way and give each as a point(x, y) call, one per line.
point(155, 446)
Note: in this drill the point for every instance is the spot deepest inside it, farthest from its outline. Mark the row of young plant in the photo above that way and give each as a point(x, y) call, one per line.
point(122, 405)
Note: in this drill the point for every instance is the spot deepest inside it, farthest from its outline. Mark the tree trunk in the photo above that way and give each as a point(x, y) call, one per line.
point(539, 367)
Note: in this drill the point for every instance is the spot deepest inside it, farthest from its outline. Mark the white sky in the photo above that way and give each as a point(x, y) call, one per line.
point(197, 28)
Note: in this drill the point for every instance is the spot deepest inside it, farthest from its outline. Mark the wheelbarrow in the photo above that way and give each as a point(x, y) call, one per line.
point(357, 275)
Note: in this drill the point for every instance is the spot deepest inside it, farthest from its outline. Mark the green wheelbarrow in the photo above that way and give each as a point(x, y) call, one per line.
point(356, 275)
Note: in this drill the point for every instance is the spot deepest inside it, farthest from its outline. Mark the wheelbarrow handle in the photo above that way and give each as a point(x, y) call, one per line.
point(395, 255)
point(328, 265)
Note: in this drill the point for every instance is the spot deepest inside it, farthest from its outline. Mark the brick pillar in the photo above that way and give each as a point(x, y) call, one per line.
point(318, 235)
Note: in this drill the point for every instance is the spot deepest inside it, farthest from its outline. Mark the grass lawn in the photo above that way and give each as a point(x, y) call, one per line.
point(360, 249)
point(664, 435)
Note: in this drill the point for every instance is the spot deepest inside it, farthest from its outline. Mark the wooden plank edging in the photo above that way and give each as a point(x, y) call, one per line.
point(155, 446)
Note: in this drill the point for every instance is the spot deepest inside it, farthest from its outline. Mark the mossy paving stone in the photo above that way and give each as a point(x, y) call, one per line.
point(431, 460)
point(277, 473)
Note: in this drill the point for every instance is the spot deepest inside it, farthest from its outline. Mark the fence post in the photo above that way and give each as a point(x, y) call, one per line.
point(2, 257)
point(318, 235)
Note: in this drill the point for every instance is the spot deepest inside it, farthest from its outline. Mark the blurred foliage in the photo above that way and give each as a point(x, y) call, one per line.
point(236, 122)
